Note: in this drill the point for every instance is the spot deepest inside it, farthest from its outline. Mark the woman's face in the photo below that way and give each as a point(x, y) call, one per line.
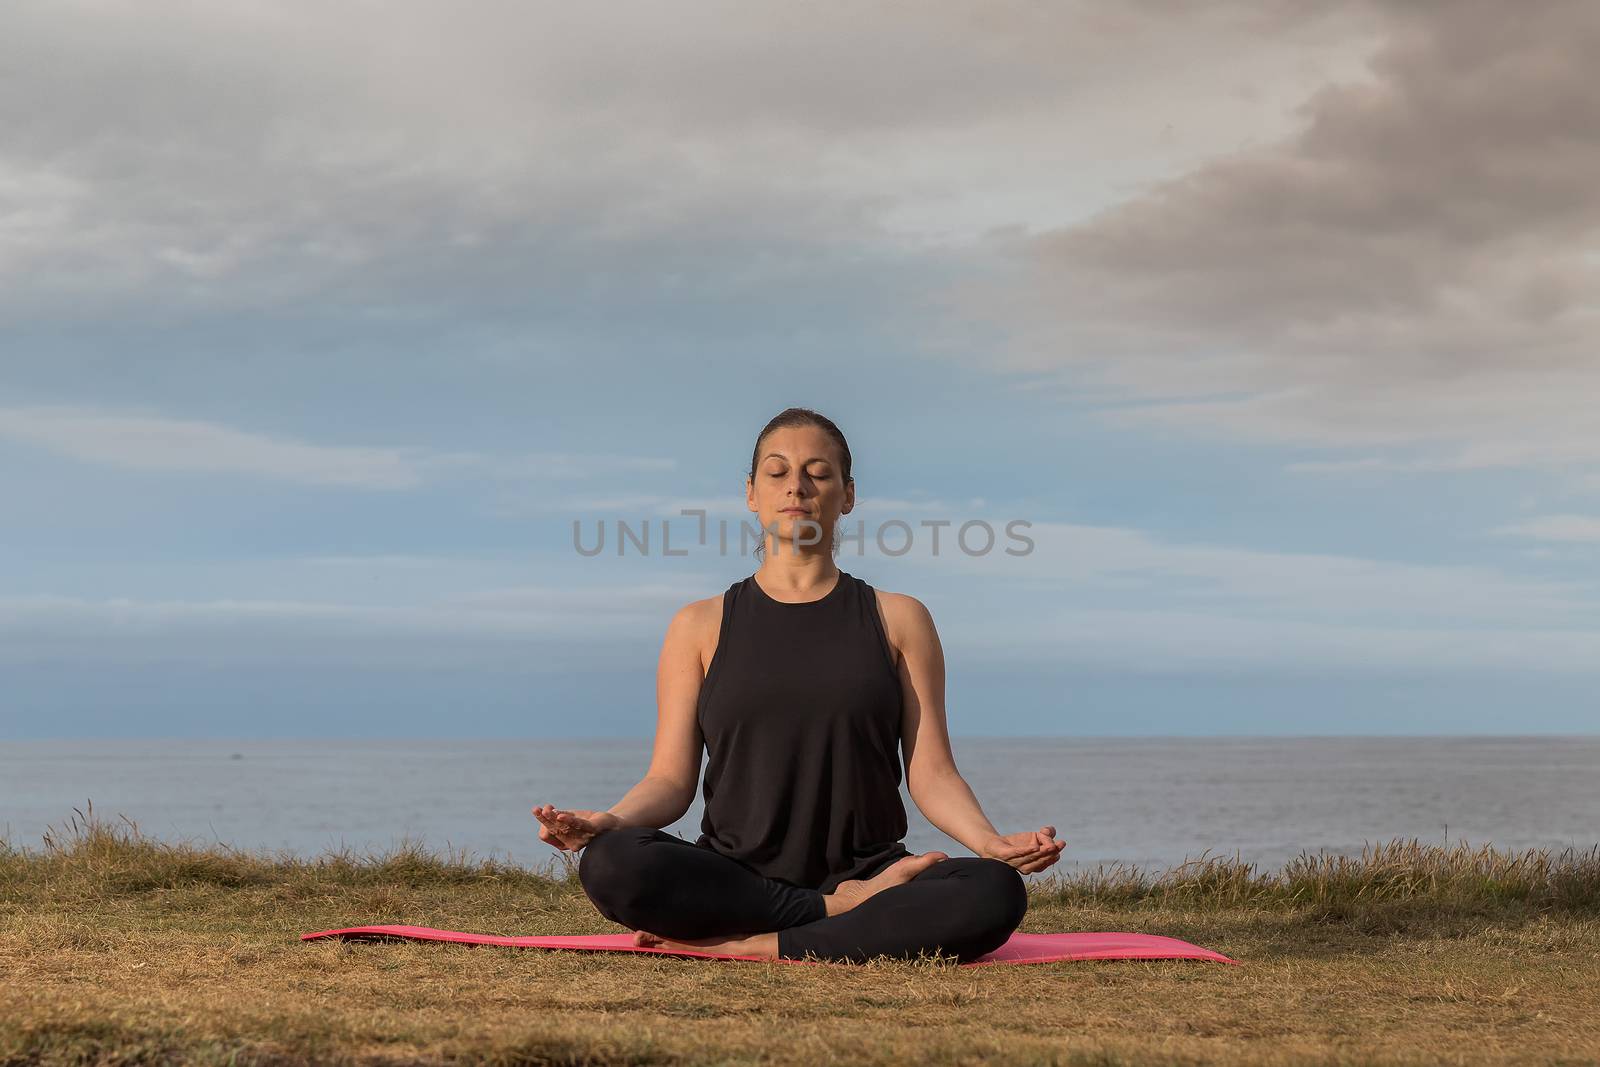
point(797, 467)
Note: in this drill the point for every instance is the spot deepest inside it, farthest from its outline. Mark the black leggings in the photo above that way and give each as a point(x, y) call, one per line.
point(647, 879)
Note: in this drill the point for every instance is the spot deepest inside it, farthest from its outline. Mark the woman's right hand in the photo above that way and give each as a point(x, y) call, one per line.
point(570, 830)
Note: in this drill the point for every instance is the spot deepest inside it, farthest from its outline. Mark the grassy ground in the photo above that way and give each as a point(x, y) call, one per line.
point(115, 949)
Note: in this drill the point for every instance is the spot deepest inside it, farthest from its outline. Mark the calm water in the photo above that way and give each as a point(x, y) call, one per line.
point(1151, 802)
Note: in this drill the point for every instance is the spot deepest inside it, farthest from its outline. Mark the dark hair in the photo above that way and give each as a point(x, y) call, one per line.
point(788, 419)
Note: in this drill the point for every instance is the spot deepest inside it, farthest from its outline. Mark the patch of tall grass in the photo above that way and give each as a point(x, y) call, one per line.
point(1395, 876)
point(94, 856)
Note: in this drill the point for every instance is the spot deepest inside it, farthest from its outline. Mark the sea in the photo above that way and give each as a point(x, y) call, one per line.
point(1151, 803)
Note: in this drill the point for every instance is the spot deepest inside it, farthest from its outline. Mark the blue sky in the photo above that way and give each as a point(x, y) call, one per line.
point(317, 334)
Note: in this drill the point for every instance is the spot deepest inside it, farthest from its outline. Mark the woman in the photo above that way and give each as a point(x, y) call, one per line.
point(801, 681)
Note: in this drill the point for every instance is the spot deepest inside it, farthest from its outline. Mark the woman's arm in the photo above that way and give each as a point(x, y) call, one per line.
point(933, 781)
point(667, 788)
point(936, 786)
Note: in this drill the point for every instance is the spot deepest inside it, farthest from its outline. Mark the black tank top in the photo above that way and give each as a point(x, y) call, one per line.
point(800, 710)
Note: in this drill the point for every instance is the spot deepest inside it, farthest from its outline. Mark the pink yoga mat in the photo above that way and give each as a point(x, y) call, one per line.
point(1021, 948)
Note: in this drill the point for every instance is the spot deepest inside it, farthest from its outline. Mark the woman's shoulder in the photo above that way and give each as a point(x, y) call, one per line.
point(902, 615)
point(698, 615)
point(899, 604)
point(700, 624)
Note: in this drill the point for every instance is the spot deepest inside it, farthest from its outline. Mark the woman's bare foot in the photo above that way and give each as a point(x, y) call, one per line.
point(852, 893)
point(764, 946)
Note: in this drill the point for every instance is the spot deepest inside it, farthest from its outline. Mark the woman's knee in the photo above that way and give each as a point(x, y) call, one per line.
point(1005, 893)
point(999, 901)
point(609, 867)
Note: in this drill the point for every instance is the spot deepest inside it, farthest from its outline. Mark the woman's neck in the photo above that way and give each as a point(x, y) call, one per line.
point(798, 577)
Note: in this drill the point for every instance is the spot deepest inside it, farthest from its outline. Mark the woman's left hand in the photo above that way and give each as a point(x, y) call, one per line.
point(1026, 850)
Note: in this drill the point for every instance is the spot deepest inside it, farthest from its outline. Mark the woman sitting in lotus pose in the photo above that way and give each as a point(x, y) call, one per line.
point(804, 684)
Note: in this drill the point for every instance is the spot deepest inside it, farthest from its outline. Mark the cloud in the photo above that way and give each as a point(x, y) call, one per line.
point(149, 442)
point(504, 155)
point(1414, 271)
point(385, 560)
point(1486, 455)
point(1094, 596)
point(1178, 642)
point(543, 628)
point(650, 603)
point(540, 628)
point(1074, 565)
point(1571, 528)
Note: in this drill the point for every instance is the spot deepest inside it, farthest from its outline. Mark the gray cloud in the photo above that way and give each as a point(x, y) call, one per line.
point(1416, 267)
point(1077, 562)
point(232, 155)
point(530, 629)
point(1568, 528)
point(151, 442)
point(1091, 595)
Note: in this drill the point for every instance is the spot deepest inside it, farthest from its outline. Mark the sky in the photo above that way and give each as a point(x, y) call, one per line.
point(1273, 325)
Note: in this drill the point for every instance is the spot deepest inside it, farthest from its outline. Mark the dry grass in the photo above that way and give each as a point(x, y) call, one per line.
point(117, 949)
